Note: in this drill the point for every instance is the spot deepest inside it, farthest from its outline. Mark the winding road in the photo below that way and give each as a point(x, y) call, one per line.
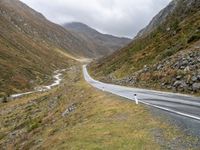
point(181, 106)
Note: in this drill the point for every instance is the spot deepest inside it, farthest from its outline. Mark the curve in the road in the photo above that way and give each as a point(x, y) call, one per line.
point(183, 105)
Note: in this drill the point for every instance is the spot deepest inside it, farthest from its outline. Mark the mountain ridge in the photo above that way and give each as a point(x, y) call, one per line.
point(104, 43)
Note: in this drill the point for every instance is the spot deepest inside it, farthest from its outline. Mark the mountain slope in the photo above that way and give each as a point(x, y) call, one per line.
point(146, 61)
point(158, 19)
point(39, 28)
point(30, 47)
point(103, 44)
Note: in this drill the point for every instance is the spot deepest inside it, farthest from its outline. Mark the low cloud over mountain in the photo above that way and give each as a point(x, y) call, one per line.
point(116, 17)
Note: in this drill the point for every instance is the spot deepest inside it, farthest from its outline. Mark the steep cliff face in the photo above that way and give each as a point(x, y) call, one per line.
point(101, 44)
point(175, 30)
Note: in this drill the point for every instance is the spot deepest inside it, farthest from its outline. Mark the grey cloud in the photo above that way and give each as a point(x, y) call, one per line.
point(117, 17)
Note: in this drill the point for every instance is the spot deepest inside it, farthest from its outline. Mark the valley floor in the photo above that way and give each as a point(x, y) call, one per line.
point(74, 115)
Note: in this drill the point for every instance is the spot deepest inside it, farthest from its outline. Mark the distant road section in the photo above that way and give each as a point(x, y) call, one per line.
point(178, 104)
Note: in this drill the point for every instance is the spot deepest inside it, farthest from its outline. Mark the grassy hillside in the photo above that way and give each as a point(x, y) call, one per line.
point(31, 48)
point(40, 29)
point(138, 60)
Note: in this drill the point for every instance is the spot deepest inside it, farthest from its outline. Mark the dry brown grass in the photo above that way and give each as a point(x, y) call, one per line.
point(99, 121)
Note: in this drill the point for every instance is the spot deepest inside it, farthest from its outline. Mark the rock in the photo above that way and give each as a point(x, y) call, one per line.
point(190, 88)
point(159, 67)
point(174, 33)
point(198, 77)
point(177, 83)
point(146, 68)
point(180, 84)
point(178, 77)
point(176, 65)
point(196, 86)
point(182, 67)
point(68, 110)
point(168, 29)
point(187, 69)
point(191, 63)
point(129, 79)
point(183, 85)
point(169, 87)
point(163, 84)
point(184, 63)
point(194, 78)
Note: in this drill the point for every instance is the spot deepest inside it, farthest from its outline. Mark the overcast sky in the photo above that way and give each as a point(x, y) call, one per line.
point(117, 17)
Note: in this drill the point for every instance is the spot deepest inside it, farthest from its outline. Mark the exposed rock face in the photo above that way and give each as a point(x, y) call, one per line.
point(104, 44)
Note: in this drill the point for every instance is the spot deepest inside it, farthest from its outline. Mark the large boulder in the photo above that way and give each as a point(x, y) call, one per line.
point(180, 84)
point(196, 87)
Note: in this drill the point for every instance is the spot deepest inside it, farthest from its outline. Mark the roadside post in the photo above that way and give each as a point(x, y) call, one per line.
point(136, 99)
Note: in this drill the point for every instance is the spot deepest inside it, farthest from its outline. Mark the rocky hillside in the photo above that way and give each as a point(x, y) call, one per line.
point(101, 44)
point(164, 55)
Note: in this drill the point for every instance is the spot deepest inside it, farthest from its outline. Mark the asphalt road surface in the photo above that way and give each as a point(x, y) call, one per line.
point(184, 109)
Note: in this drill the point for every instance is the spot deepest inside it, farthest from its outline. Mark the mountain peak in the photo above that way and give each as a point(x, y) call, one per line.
point(104, 43)
point(80, 27)
point(77, 24)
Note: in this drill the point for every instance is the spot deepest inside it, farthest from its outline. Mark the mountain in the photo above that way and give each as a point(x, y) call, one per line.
point(31, 47)
point(158, 19)
point(165, 55)
point(101, 44)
